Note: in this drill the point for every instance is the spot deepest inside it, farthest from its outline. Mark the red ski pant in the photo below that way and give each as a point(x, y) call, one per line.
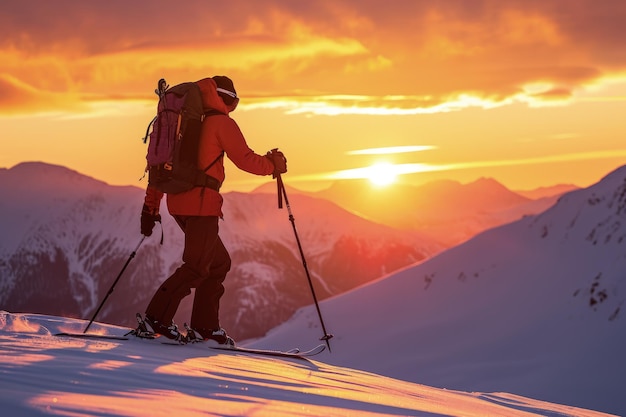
point(205, 265)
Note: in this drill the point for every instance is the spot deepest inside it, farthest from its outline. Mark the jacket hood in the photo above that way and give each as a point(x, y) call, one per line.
point(210, 99)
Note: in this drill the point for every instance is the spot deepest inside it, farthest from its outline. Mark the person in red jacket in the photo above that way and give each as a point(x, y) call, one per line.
point(197, 211)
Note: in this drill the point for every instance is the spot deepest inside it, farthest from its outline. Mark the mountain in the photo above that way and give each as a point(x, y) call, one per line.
point(534, 308)
point(48, 375)
point(547, 192)
point(64, 237)
point(446, 211)
point(67, 236)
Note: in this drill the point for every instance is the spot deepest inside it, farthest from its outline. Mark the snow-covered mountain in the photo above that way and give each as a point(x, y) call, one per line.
point(535, 308)
point(47, 375)
point(65, 237)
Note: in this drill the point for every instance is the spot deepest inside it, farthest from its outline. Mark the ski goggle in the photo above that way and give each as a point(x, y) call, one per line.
point(228, 93)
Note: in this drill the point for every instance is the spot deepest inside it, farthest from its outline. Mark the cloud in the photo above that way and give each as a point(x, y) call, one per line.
point(328, 105)
point(353, 56)
point(19, 97)
point(416, 168)
point(391, 150)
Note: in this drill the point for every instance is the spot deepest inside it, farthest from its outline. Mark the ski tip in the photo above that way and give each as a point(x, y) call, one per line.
point(318, 349)
point(293, 353)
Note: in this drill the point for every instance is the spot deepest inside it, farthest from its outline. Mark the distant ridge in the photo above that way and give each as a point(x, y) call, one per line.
point(543, 192)
point(445, 210)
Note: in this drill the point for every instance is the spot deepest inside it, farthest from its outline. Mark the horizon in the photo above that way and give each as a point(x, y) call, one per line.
point(331, 183)
point(523, 92)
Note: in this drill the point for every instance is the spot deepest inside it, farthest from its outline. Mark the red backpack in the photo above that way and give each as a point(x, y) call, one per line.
point(174, 140)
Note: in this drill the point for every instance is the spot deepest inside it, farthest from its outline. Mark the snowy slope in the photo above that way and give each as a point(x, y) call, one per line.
point(47, 375)
point(535, 308)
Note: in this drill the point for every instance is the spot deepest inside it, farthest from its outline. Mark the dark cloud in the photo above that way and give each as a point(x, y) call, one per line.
point(411, 47)
point(114, 24)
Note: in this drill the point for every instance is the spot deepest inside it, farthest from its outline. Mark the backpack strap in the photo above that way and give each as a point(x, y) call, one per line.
point(205, 180)
point(145, 138)
point(220, 156)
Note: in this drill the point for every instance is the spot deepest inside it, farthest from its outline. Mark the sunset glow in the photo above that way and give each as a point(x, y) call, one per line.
point(446, 90)
point(382, 174)
point(390, 150)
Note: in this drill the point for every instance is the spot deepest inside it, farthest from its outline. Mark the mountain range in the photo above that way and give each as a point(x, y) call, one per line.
point(446, 211)
point(66, 236)
point(535, 307)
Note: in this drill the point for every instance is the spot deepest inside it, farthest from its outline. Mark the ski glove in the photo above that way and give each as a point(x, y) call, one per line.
point(278, 160)
point(148, 219)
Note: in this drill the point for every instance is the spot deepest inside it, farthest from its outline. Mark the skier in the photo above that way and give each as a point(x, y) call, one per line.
point(197, 211)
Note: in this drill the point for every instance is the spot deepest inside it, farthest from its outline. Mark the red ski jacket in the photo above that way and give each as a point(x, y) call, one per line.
point(219, 134)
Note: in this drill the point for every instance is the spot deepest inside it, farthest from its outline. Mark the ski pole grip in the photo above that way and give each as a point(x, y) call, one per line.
point(279, 186)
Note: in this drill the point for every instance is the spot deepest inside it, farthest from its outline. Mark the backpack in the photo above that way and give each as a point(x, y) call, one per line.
point(174, 140)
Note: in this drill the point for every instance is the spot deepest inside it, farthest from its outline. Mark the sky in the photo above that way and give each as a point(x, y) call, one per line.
point(529, 92)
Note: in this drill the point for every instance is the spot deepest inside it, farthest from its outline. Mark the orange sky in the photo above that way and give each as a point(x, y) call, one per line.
point(528, 92)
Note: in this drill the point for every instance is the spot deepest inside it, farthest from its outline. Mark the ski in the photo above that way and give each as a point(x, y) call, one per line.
point(141, 332)
point(92, 336)
point(114, 337)
point(294, 353)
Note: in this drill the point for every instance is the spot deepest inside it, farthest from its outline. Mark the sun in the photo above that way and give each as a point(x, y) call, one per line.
point(381, 174)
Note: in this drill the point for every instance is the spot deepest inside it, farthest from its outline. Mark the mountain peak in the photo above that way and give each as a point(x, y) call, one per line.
point(487, 182)
point(41, 167)
point(42, 174)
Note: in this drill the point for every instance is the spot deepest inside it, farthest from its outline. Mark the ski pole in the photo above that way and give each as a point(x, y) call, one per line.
point(283, 194)
point(132, 255)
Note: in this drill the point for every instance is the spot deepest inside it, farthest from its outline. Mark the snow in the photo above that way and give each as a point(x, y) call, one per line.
point(535, 308)
point(47, 375)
